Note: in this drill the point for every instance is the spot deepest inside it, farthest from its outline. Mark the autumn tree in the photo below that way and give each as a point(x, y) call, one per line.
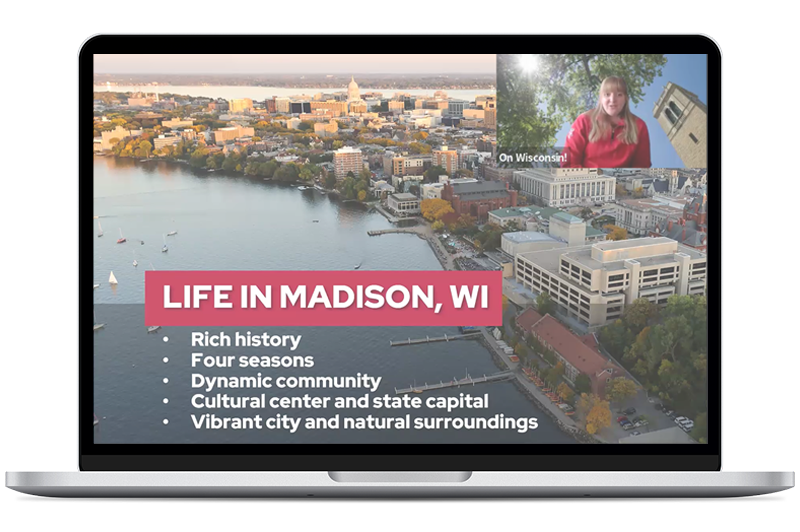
point(615, 232)
point(362, 195)
point(565, 392)
point(620, 389)
point(438, 226)
point(435, 209)
point(538, 94)
point(597, 412)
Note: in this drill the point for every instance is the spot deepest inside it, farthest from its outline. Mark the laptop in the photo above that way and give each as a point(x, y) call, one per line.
point(399, 275)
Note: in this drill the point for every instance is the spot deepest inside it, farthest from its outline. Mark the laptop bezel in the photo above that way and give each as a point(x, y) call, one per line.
point(432, 457)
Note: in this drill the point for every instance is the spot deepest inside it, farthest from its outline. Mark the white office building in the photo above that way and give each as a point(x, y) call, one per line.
point(563, 187)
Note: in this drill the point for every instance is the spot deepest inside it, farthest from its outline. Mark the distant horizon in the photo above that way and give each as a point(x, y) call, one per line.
point(292, 64)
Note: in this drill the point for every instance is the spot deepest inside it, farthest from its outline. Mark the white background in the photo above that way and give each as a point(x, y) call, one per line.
point(39, 212)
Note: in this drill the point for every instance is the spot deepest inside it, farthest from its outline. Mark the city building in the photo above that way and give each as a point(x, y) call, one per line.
point(403, 204)
point(396, 107)
point(562, 187)
point(690, 229)
point(166, 140)
point(576, 356)
point(503, 217)
point(525, 241)
point(641, 216)
point(684, 118)
point(572, 230)
point(396, 164)
point(447, 159)
point(218, 105)
point(457, 107)
point(282, 105)
point(178, 123)
point(225, 134)
point(240, 105)
point(118, 133)
point(346, 160)
point(486, 101)
point(432, 191)
point(595, 283)
point(293, 123)
point(490, 118)
point(300, 107)
point(334, 106)
point(269, 105)
point(492, 173)
point(477, 198)
point(326, 130)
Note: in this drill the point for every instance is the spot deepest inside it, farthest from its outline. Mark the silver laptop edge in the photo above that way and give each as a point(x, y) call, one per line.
point(484, 484)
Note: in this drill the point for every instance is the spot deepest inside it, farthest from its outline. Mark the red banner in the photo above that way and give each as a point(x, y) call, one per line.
point(323, 298)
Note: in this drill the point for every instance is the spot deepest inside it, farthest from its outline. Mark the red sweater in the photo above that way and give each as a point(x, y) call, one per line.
point(608, 152)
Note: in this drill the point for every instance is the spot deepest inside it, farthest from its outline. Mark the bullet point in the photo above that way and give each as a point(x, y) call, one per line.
point(166, 360)
point(166, 338)
point(166, 400)
point(166, 422)
point(166, 380)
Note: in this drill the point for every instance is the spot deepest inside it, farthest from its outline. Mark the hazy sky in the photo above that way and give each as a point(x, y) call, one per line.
point(293, 63)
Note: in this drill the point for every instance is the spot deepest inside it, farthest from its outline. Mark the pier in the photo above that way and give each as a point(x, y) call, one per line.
point(428, 339)
point(457, 383)
point(409, 230)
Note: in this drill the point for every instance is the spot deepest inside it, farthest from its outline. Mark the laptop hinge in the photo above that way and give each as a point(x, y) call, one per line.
point(400, 476)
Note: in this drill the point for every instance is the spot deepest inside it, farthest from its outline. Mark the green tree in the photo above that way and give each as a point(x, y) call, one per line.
point(330, 181)
point(534, 103)
point(432, 174)
point(544, 304)
point(583, 384)
point(438, 226)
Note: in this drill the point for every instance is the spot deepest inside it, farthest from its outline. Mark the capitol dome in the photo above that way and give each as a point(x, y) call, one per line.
point(352, 90)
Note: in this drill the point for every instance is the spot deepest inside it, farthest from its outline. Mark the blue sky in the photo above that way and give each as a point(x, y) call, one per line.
point(687, 70)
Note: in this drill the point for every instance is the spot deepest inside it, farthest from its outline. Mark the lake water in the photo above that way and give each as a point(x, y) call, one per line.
point(262, 93)
point(238, 223)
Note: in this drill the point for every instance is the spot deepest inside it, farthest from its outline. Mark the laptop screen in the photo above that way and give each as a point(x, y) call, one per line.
point(400, 249)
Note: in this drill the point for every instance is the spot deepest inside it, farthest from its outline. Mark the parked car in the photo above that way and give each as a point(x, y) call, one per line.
point(635, 433)
point(629, 411)
point(620, 419)
point(651, 400)
point(669, 413)
point(629, 426)
point(687, 427)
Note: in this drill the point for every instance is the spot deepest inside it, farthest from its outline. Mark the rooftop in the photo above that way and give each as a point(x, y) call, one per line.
point(508, 212)
point(404, 196)
point(528, 319)
point(520, 237)
point(584, 358)
point(567, 218)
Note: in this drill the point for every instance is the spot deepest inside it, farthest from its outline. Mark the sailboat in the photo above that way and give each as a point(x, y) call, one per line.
point(135, 264)
point(96, 421)
point(100, 229)
point(153, 328)
point(357, 266)
point(112, 279)
point(172, 233)
point(165, 248)
point(96, 286)
point(121, 239)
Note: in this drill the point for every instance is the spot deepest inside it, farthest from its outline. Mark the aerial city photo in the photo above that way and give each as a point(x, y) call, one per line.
point(392, 163)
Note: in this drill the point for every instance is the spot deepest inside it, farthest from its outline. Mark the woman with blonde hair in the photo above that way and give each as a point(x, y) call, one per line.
point(608, 136)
